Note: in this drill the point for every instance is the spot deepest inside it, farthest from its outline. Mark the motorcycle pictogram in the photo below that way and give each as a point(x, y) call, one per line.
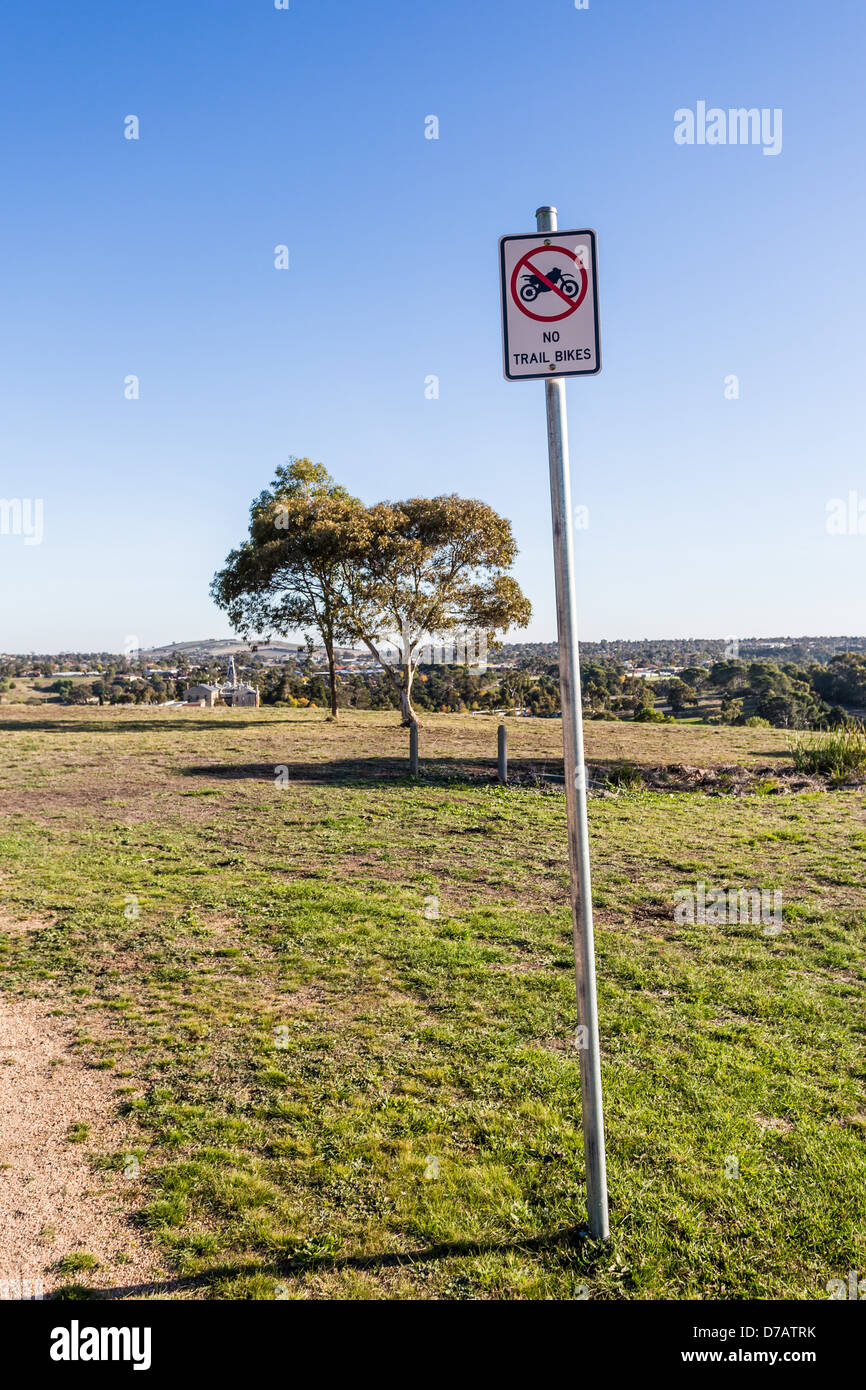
point(532, 286)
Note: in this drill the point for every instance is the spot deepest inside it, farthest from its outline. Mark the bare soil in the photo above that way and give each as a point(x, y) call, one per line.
point(54, 1204)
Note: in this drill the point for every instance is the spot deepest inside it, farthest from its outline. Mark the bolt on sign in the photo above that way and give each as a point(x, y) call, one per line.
point(549, 305)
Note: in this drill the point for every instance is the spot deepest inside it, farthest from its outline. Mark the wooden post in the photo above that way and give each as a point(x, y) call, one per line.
point(502, 755)
point(413, 749)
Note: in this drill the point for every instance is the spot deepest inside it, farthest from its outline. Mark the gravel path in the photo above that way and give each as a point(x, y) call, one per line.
point(52, 1203)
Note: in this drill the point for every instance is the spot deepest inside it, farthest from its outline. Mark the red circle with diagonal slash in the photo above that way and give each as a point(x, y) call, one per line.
point(572, 303)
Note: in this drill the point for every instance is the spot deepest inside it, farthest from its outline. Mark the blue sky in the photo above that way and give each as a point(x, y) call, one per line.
point(306, 127)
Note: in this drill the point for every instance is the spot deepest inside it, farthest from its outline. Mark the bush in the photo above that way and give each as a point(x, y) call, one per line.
point(840, 753)
point(624, 775)
point(647, 715)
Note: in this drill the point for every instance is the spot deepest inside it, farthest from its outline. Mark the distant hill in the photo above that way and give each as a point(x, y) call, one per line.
point(210, 650)
point(215, 647)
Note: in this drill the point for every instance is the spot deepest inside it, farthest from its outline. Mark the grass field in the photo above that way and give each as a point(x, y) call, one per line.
point(340, 1012)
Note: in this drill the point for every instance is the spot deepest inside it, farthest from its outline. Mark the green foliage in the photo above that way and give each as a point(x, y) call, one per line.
point(77, 1261)
point(843, 680)
point(840, 754)
point(647, 714)
point(626, 776)
point(291, 572)
point(679, 694)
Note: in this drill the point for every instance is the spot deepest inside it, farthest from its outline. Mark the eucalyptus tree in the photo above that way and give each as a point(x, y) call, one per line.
point(288, 575)
point(425, 569)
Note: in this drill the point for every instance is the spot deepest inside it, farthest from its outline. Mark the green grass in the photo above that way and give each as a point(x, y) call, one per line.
point(839, 753)
point(328, 987)
point(76, 1262)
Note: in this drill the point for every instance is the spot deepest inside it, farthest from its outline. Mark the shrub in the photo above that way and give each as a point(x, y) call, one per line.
point(840, 753)
point(624, 775)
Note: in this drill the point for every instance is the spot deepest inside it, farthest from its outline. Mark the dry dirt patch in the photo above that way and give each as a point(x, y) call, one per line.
point(53, 1204)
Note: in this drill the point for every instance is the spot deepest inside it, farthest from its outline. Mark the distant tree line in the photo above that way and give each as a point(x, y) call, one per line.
point(822, 694)
point(741, 692)
point(676, 652)
point(786, 696)
point(114, 689)
point(729, 692)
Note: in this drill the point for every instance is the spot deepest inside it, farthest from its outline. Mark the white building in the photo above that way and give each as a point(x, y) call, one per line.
point(233, 693)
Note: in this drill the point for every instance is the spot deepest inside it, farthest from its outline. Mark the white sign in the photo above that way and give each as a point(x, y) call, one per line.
point(549, 305)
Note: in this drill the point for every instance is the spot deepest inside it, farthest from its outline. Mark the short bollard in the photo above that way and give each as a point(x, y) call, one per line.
point(413, 749)
point(502, 755)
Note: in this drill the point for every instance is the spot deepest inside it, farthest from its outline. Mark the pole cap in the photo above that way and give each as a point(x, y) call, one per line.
point(546, 208)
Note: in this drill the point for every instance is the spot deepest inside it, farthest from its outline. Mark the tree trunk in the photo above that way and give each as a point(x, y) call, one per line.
point(403, 686)
point(409, 715)
point(332, 678)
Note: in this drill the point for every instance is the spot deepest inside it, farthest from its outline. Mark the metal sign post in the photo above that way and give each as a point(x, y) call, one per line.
point(562, 284)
